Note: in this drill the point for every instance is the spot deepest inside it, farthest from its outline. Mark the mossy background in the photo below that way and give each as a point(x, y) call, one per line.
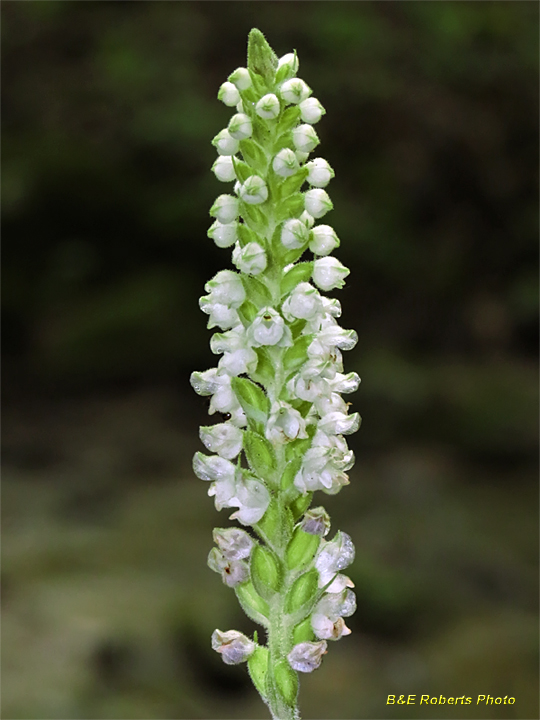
point(431, 126)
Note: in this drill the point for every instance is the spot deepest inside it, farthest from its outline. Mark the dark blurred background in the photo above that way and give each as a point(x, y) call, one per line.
point(432, 129)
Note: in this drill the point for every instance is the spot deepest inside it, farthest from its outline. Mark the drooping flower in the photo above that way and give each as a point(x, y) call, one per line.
point(233, 646)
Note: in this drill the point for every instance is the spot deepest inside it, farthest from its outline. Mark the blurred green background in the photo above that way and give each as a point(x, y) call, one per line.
point(431, 127)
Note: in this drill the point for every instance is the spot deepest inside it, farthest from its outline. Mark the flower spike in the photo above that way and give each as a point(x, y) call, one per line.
point(279, 381)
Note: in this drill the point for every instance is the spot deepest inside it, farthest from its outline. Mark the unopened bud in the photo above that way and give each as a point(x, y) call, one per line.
point(241, 78)
point(318, 203)
point(250, 259)
point(228, 94)
point(268, 107)
point(311, 110)
point(285, 163)
point(305, 138)
point(240, 126)
point(294, 91)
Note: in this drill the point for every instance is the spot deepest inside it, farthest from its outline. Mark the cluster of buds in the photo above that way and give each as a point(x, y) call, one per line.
point(279, 381)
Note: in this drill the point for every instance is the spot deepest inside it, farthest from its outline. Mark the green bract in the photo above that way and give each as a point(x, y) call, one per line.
point(277, 386)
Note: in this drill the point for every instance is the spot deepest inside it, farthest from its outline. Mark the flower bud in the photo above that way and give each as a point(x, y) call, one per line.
point(241, 78)
point(267, 328)
point(234, 543)
point(240, 126)
point(228, 94)
point(224, 439)
point(225, 209)
point(307, 656)
point(226, 287)
point(316, 522)
point(323, 240)
point(311, 111)
point(233, 646)
point(329, 273)
point(294, 234)
point(320, 173)
point(268, 107)
point(204, 383)
point(223, 169)
point(285, 163)
point(250, 259)
point(223, 235)
point(254, 190)
point(294, 90)
point(305, 138)
point(304, 303)
point(318, 203)
point(225, 144)
point(307, 219)
point(291, 61)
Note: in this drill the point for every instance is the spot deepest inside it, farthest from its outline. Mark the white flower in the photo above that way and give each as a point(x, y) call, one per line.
point(323, 240)
point(320, 172)
point(213, 468)
point(307, 656)
point(308, 389)
point(327, 628)
point(334, 556)
point(240, 126)
point(345, 383)
point(241, 78)
point(294, 234)
point(285, 423)
point(267, 328)
point(339, 583)
point(311, 110)
point(223, 169)
point(226, 288)
point(225, 209)
point(294, 90)
point(221, 316)
point(337, 423)
point(224, 439)
point(221, 473)
point(329, 273)
point(291, 61)
point(235, 544)
point(301, 156)
point(225, 144)
point(218, 384)
point(223, 235)
point(233, 572)
point(268, 107)
point(250, 259)
point(336, 604)
point(252, 500)
point(305, 138)
point(233, 646)
point(318, 203)
point(303, 303)
point(332, 336)
point(228, 94)
point(238, 356)
point(324, 467)
point(254, 190)
point(285, 163)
